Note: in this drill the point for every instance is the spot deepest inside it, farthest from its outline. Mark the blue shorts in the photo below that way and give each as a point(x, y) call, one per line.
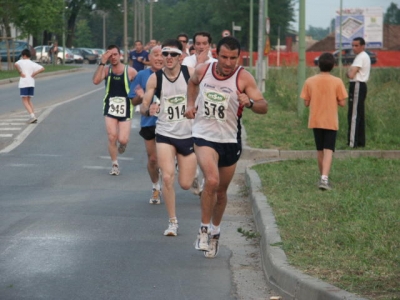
point(27, 91)
point(324, 139)
point(229, 153)
point(182, 146)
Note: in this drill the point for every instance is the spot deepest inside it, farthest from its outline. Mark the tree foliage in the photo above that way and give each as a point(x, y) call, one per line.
point(317, 33)
point(392, 15)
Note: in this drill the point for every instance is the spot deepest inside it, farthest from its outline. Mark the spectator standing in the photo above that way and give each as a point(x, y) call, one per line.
point(27, 71)
point(358, 73)
point(323, 93)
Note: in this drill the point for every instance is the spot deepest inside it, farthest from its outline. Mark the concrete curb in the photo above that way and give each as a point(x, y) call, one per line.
point(288, 281)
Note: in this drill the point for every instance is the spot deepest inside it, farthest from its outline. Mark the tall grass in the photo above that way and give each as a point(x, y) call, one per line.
point(283, 128)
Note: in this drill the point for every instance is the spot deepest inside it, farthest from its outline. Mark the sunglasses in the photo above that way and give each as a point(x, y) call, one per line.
point(173, 54)
point(182, 41)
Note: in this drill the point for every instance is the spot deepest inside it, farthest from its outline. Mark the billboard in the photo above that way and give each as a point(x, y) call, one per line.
point(360, 22)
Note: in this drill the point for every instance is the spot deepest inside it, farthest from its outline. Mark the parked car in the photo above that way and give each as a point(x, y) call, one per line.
point(42, 55)
point(78, 59)
point(15, 49)
point(88, 57)
point(348, 57)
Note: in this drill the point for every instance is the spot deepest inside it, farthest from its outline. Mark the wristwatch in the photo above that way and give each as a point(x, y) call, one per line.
point(251, 103)
point(101, 64)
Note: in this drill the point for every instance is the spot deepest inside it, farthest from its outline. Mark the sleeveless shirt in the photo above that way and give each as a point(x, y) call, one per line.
point(171, 120)
point(116, 103)
point(218, 110)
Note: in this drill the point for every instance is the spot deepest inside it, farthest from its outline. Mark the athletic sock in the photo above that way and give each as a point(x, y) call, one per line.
point(115, 162)
point(324, 177)
point(215, 229)
point(156, 186)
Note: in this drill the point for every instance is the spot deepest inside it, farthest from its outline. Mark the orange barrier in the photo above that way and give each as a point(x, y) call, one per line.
point(384, 58)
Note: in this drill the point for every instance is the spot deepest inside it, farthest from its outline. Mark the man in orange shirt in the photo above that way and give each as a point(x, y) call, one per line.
point(323, 93)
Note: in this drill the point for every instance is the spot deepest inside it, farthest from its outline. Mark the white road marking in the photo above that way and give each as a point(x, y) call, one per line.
point(46, 111)
point(11, 124)
point(119, 158)
point(6, 135)
point(22, 165)
point(10, 128)
point(95, 168)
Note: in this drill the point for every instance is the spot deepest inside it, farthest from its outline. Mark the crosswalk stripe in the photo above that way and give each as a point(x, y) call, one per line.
point(11, 124)
point(5, 135)
point(10, 128)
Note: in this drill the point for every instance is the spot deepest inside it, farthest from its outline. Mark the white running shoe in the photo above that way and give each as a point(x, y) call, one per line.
point(202, 239)
point(172, 229)
point(155, 197)
point(114, 170)
point(212, 247)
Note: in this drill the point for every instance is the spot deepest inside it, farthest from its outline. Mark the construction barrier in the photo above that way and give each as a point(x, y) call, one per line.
point(384, 58)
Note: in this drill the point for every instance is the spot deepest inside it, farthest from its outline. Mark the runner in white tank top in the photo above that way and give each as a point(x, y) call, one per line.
point(173, 130)
point(218, 110)
point(222, 90)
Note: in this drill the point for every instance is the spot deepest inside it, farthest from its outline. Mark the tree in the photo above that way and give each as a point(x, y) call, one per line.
point(392, 15)
point(317, 33)
point(30, 16)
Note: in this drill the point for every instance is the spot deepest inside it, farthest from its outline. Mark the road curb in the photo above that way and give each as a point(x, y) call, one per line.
point(285, 279)
point(288, 281)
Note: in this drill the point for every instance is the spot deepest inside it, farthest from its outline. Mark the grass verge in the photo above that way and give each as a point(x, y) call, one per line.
point(47, 68)
point(349, 236)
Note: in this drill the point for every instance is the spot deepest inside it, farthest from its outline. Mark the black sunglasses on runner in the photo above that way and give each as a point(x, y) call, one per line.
point(173, 54)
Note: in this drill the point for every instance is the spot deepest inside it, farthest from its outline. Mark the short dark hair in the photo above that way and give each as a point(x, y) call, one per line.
point(114, 46)
point(326, 62)
point(172, 43)
point(360, 39)
point(26, 53)
point(202, 33)
point(230, 43)
point(183, 35)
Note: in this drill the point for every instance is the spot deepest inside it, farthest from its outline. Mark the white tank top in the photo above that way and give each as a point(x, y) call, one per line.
point(218, 111)
point(171, 120)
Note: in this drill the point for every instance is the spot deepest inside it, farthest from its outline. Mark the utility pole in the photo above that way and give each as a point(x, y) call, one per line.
point(301, 70)
point(340, 39)
point(125, 31)
point(251, 37)
point(260, 46)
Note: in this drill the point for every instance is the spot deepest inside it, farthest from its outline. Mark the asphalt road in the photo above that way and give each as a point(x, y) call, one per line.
point(69, 230)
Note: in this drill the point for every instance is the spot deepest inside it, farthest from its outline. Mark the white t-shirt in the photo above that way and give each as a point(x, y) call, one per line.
point(362, 61)
point(27, 67)
point(191, 60)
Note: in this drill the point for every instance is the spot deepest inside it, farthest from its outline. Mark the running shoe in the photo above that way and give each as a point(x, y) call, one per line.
point(202, 239)
point(172, 229)
point(196, 188)
point(114, 170)
point(32, 120)
point(121, 148)
point(324, 185)
point(155, 197)
point(212, 247)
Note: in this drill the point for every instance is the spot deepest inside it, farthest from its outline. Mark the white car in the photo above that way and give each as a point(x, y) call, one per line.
point(42, 55)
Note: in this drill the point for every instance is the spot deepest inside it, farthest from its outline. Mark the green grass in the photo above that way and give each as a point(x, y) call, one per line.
point(6, 74)
point(281, 128)
point(349, 236)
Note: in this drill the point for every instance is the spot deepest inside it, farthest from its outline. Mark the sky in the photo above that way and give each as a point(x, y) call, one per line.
point(319, 13)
